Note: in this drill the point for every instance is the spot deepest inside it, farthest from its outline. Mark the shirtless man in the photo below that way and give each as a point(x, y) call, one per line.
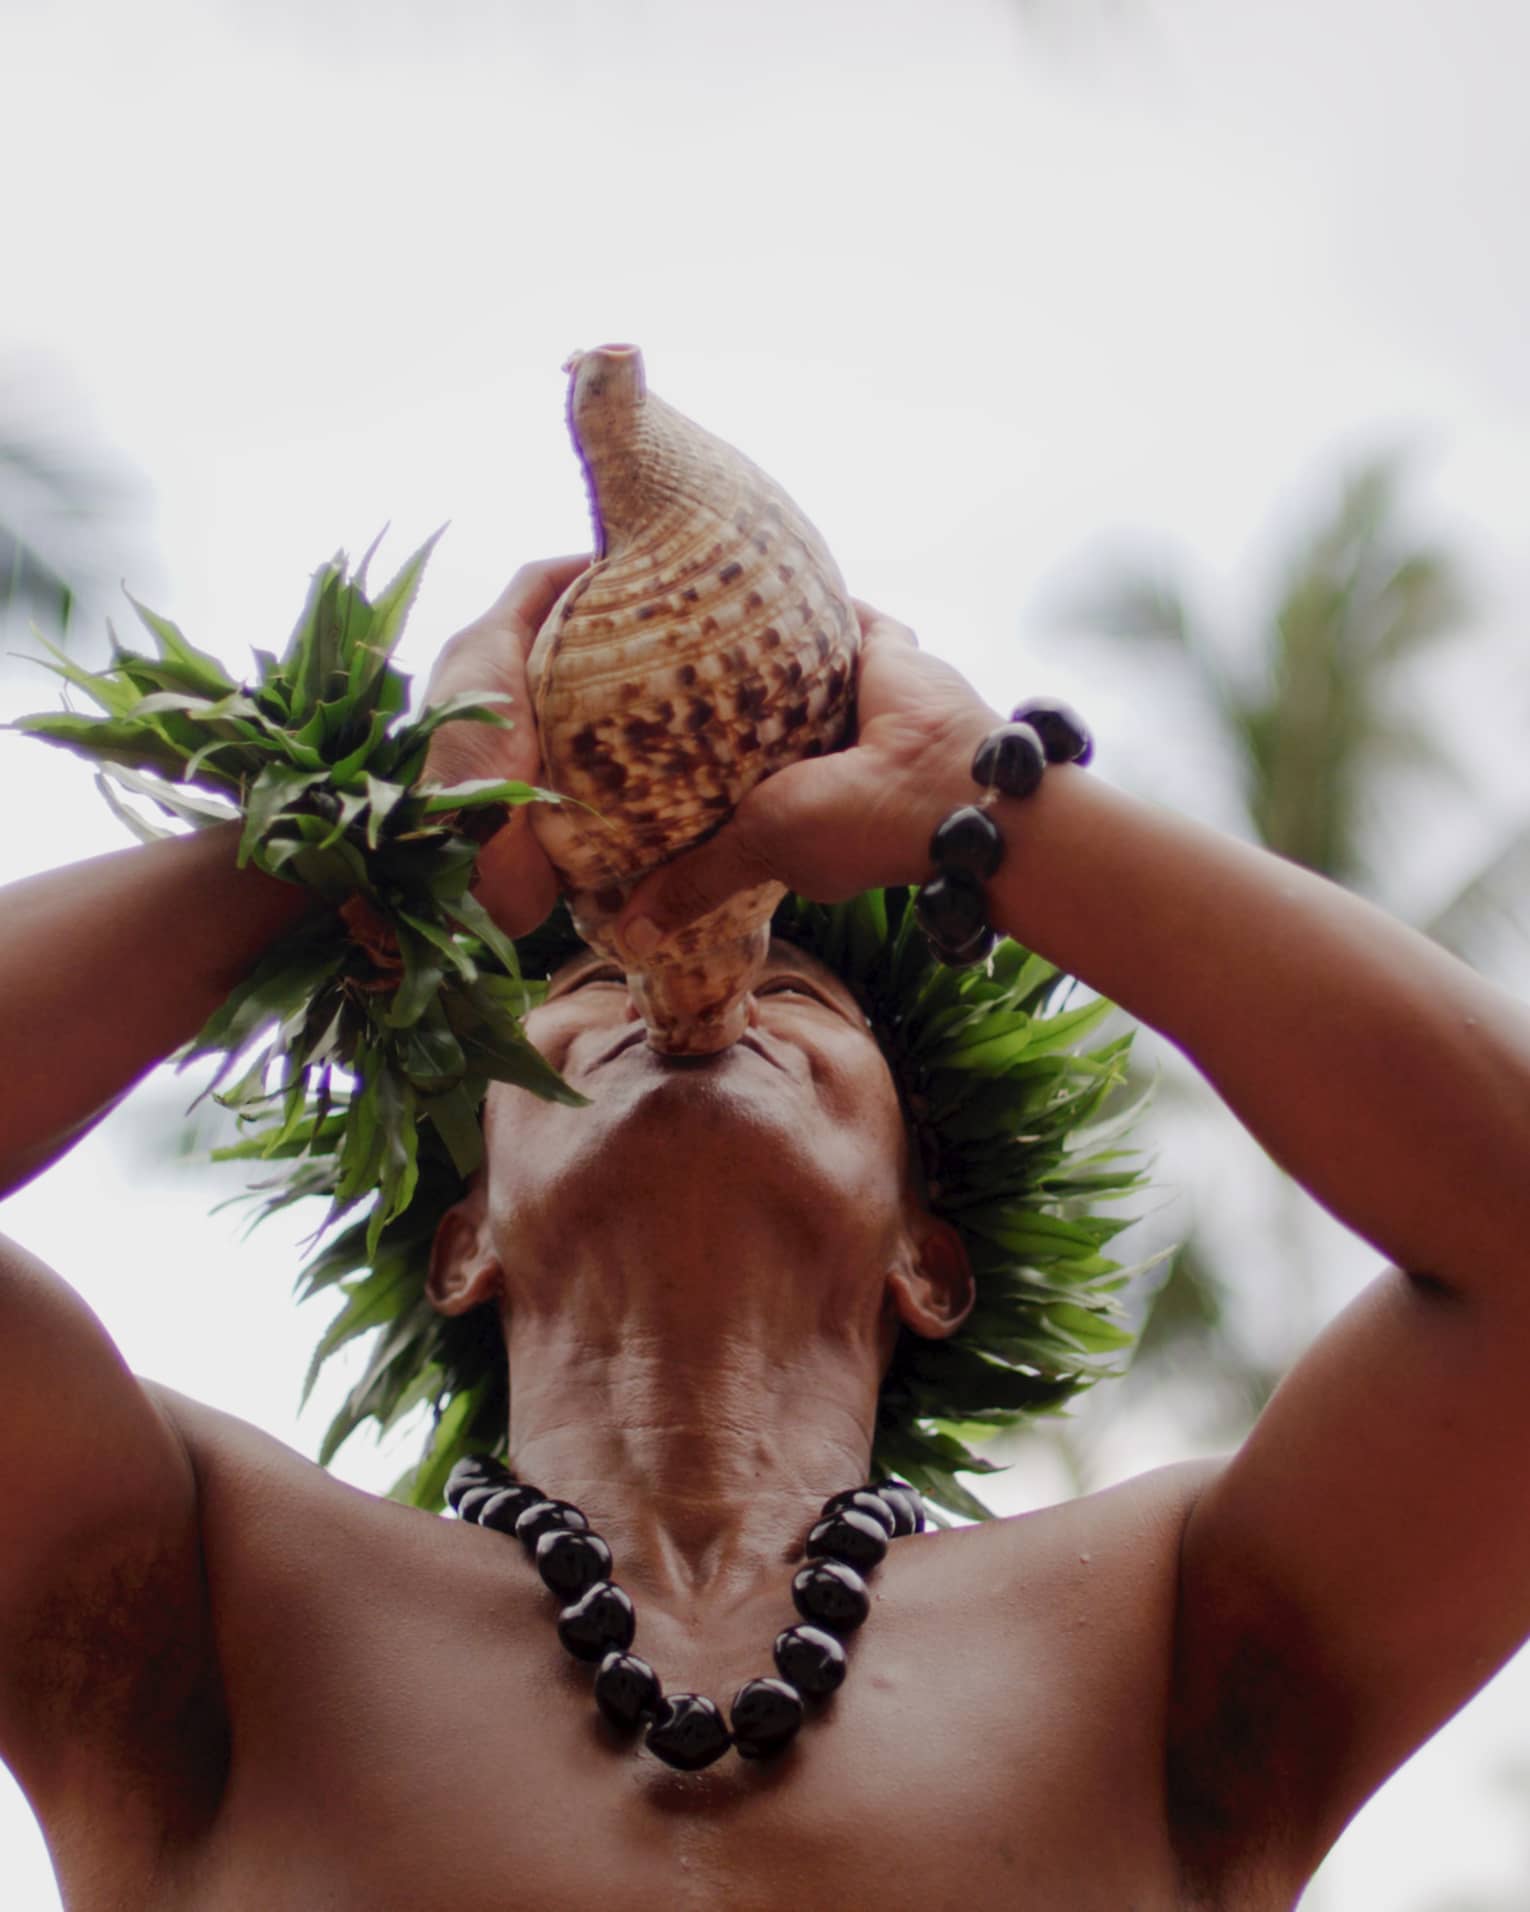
point(232, 1683)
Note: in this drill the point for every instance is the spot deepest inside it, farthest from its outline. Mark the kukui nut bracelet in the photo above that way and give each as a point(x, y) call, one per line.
point(967, 848)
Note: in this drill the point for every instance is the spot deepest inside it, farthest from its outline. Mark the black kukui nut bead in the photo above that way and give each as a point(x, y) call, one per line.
point(1064, 734)
point(951, 909)
point(474, 1470)
point(902, 1512)
point(765, 1716)
point(968, 841)
point(832, 1594)
point(892, 1484)
point(811, 1660)
point(851, 1536)
point(905, 1502)
point(542, 1517)
point(689, 1732)
point(865, 1500)
point(507, 1506)
point(627, 1691)
point(569, 1562)
point(472, 1503)
point(599, 1622)
point(1011, 759)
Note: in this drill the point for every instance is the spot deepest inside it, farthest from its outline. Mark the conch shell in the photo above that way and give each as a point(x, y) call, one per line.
point(711, 643)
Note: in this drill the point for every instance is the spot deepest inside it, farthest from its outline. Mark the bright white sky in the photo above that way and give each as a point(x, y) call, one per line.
point(985, 284)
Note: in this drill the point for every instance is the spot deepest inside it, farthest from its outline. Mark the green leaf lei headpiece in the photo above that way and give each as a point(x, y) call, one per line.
point(368, 1038)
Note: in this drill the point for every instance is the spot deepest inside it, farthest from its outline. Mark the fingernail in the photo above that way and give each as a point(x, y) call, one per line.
point(642, 936)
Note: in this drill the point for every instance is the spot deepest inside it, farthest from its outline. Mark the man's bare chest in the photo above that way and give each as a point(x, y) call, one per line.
point(408, 1733)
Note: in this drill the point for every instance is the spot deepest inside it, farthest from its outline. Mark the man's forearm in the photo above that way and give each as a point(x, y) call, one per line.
point(108, 966)
point(1386, 1076)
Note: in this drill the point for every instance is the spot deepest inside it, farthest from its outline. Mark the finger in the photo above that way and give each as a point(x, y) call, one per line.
point(876, 624)
point(460, 752)
point(464, 749)
point(690, 887)
point(535, 589)
point(513, 879)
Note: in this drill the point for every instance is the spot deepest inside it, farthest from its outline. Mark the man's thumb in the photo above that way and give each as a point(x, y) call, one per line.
point(689, 887)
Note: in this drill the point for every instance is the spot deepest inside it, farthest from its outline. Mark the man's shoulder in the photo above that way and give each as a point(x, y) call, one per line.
point(257, 1495)
point(237, 1461)
point(1147, 1510)
point(1106, 1561)
point(214, 1437)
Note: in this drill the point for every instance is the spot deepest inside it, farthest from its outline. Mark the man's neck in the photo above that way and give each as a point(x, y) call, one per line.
point(699, 1422)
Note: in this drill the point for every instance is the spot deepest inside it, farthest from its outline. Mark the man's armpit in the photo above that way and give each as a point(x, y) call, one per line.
point(112, 1667)
point(1252, 1756)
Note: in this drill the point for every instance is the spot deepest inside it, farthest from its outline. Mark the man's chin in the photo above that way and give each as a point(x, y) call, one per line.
point(667, 1147)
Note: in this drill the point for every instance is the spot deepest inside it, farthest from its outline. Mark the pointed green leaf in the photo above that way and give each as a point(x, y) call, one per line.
point(484, 790)
point(374, 1299)
point(425, 1485)
point(456, 1119)
point(285, 980)
point(475, 706)
point(443, 941)
point(196, 669)
point(381, 799)
point(471, 914)
point(105, 688)
point(141, 827)
point(364, 753)
point(176, 800)
point(430, 1056)
point(390, 611)
point(105, 739)
point(423, 973)
point(272, 792)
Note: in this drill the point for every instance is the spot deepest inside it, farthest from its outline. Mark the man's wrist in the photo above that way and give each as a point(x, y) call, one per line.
point(967, 847)
point(941, 782)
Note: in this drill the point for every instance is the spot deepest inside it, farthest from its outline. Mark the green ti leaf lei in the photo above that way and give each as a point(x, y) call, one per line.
point(365, 1042)
point(388, 1016)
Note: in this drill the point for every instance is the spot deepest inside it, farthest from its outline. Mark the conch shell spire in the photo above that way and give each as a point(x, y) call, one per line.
point(606, 389)
point(711, 643)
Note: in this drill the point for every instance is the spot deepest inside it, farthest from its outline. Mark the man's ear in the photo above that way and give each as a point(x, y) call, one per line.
point(931, 1289)
point(464, 1270)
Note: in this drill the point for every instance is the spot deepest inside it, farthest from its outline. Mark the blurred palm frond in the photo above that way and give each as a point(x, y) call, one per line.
point(69, 514)
point(1306, 707)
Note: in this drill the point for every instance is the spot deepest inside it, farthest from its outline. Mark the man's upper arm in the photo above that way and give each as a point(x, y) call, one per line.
point(104, 1641)
point(1357, 1570)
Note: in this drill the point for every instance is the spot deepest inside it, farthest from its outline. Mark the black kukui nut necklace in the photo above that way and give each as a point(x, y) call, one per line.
point(598, 1621)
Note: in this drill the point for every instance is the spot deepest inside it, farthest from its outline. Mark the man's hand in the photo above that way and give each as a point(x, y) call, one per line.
point(515, 882)
point(832, 826)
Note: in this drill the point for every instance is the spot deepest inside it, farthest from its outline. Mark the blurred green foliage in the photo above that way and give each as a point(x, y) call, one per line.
point(70, 514)
point(1308, 705)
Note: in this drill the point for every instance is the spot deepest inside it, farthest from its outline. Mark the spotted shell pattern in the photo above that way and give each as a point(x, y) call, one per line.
point(711, 643)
